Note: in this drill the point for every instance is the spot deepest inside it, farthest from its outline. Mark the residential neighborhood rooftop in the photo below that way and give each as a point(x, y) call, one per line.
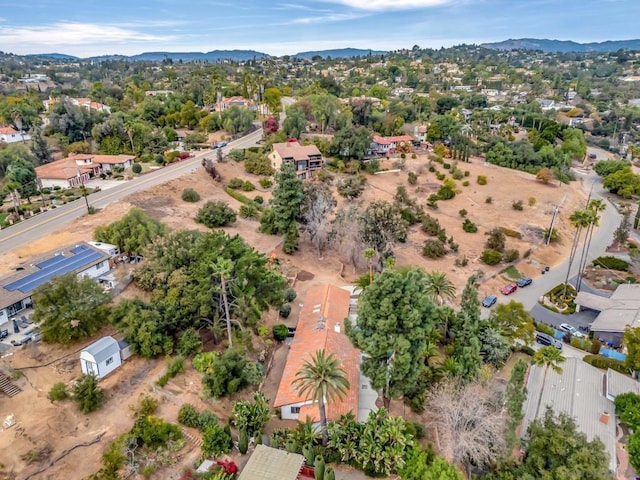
point(268, 463)
point(321, 326)
point(295, 150)
point(617, 312)
point(41, 269)
point(579, 392)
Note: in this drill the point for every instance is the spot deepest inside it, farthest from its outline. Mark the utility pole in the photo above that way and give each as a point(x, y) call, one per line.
point(86, 199)
point(553, 221)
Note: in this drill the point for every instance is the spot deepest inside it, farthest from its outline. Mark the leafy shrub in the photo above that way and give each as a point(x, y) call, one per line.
point(482, 180)
point(532, 201)
point(491, 257)
point(285, 310)
point(433, 248)
point(249, 210)
point(290, 295)
point(216, 214)
point(457, 175)
point(351, 187)
point(58, 392)
point(190, 195)
point(432, 201)
point(148, 406)
point(446, 192)
point(190, 416)
point(511, 255)
point(372, 166)
point(612, 263)
point(462, 212)
point(216, 441)
point(87, 394)
point(189, 343)
point(603, 362)
point(432, 169)
point(496, 239)
point(446, 166)
point(440, 176)
point(247, 186)
point(431, 226)
point(467, 173)
point(227, 373)
point(488, 200)
point(175, 367)
point(153, 432)
point(236, 183)
point(237, 195)
point(265, 182)
point(280, 332)
point(237, 155)
point(136, 168)
point(465, 183)
point(258, 164)
point(258, 199)
point(517, 205)
point(469, 227)
point(628, 409)
point(412, 178)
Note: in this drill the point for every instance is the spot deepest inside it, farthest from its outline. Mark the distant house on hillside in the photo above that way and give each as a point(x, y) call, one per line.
point(77, 169)
point(385, 145)
point(78, 102)
point(10, 135)
point(320, 327)
point(305, 158)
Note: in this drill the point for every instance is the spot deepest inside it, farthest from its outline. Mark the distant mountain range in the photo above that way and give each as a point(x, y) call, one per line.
point(563, 46)
point(214, 55)
point(339, 53)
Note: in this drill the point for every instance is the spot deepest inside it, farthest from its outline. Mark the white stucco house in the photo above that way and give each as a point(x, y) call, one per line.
point(77, 169)
point(103, 356)
point(9, 135)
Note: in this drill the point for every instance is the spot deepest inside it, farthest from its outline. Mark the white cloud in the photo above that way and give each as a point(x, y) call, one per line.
point(74, 38)
point(391, 4)
point(324, 18)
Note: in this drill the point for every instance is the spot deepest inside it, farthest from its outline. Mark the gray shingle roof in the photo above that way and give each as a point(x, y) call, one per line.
point(102, 349)
point(577, 391)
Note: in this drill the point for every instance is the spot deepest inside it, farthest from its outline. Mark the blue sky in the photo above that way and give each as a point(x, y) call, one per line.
point(285, 27)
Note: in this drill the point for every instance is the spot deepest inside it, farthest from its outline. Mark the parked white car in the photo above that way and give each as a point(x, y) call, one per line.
point(565, 327)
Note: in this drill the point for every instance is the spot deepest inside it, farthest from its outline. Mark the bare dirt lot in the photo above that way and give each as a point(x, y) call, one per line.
point(41, 423)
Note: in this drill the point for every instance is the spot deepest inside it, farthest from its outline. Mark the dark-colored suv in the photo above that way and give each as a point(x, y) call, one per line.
point(548, 340)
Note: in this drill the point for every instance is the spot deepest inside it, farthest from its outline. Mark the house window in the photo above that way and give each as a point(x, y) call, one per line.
point(99, 266)
point(295, 410)
point(109, 361)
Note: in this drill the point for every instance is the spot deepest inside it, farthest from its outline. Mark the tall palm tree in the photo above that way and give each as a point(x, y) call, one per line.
point(595, 206)
point(579, 219)
point(547, 357)
point(322, 379)
point(223, 268)
point(369, 253)
point(439, 288)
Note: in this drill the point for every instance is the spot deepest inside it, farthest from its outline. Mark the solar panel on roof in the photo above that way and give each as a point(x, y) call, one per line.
point(79, 249)
point(84, 256)
point(50, 261)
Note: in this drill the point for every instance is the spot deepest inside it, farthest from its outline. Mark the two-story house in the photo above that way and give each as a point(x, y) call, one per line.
point(385, 145)
point(305, 158)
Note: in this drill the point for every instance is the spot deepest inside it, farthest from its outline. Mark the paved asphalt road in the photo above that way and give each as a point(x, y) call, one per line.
point(45, 223)
point(529, 296)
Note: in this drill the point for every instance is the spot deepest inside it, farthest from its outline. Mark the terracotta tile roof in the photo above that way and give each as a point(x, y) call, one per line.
point(108, 159)
point(63, 169)
point(331, 303)
point(8, 131)
point(296, 151)
point(389, 140)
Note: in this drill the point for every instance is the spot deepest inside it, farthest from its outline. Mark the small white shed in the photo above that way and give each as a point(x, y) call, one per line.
point(101, 357)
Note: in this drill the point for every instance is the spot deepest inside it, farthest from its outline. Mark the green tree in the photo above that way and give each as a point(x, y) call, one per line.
point(132, 233)
point(623, 182)
point(631, 341)
point(495, 349)
point(396, 320)
point(556, 449)
point(351, 143)
point(439, 287)
point(547, 357)
point(574, 143)
point(21, 176)
point(216, 214)
point(513, 322)
point(287, 201)
point(425, 465)
point(295, 122)
point(322, 379)
point(40, 147)
point(382, 225)
point(216, 441)
point(142, 326)
point(325, 110)
point(580, 219)
point(87, 394)
point(252, 417)
point(70, 308)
